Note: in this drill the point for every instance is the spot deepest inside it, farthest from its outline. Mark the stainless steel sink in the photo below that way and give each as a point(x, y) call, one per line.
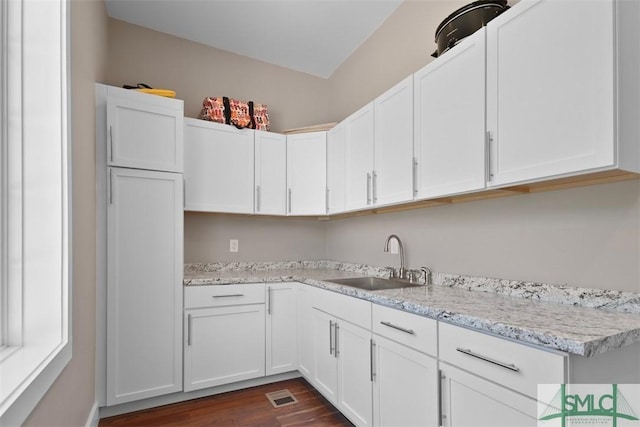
point(373, 283)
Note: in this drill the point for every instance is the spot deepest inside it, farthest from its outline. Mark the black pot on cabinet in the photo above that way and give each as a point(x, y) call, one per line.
point(466, 21)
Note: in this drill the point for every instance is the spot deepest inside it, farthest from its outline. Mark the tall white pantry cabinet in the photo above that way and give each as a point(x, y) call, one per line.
point(140, 243)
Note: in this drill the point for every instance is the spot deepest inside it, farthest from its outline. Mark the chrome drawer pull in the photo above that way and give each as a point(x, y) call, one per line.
point(509, 366)
point(399, 328)
point(227, 296)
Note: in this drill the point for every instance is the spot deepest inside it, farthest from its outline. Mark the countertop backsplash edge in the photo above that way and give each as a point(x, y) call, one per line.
point(619, 301)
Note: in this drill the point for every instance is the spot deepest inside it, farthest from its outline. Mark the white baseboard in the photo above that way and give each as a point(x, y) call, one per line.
point(94, 416)
point(123, 408)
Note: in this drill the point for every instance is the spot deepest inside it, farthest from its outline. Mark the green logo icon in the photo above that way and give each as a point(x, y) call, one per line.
point(588, 408)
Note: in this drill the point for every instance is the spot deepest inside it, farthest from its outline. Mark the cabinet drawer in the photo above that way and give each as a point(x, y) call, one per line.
point(414, 331)
point(513, 365)
point(223, 295)
point(347, 308)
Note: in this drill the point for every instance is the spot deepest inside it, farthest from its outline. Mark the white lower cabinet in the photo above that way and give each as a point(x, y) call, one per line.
point(325, 365)
point(503, 387)
point(472, 401)
point(405, 388)
point(281, 328)
point(224, 335)
point(305, 331)
point(405, 375)
point(342, 366)
point(377, 365)
point(341, 370)
point(353, 353)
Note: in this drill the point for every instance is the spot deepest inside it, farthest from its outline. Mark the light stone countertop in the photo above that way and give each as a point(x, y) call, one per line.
point(545, 320)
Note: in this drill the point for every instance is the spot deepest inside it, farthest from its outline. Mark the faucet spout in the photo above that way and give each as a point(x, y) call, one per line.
point(402, 272)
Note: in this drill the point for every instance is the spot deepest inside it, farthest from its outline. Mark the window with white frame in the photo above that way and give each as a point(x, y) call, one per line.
point(35, 204)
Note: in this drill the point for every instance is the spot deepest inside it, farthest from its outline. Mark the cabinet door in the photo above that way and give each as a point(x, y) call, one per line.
point(336, 140)
point(270, 173)
point(393, 173)
point(144, 284)
point(470, 401)
point(218, 169)
point(282, 331)
point(405, 390)
point(325, 365)
point(144, 131)
point(353, 351)
point(450, 121)
point(307, 173)
point(550, 93)
point(223, 345)
point(306, 340)
point(359, 159)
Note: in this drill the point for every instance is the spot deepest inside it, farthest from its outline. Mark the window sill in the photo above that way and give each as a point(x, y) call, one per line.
point(26, 375)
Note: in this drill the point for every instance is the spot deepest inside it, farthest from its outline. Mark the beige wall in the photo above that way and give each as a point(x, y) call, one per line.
point(206, 238)
point(69, 401)
point(400, 47)
point(194, 71)
point(587, 236)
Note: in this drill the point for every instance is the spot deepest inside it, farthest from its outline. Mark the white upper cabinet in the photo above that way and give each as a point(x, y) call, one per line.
point(393, 166)
point(144, 131)
point(307, 173)
point(450, 121)
point(218, 169)
point(379, 150)
point(359, 158)
point(270, 173)
point(336, 141)
point(552, 93)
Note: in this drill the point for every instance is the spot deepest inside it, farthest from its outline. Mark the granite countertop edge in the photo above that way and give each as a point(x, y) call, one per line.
point(541, 336)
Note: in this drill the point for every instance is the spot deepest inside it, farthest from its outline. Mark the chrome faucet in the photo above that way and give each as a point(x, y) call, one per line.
point(402, 273)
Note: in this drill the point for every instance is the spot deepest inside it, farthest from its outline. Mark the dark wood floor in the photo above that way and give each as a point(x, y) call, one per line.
point(243, 408)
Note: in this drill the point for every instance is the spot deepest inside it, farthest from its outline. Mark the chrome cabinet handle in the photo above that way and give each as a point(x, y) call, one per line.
point(110, 184)
point(399, 328)
point(289, 200)
point(257, 198)
point(227, 296)
point(269, 300)
point(372, 351)
point(415, 176)
point(368, 188)
point(331, 348)
point(336, 352)
point(441, 377)
point(488, 141)
point(326, 200)
point(375, 187)
point(189, 329)
point(111, 143)
point(509, 366)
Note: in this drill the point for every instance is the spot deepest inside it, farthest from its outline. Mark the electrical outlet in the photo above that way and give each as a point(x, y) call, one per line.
point(393, 246)
point(233, 245)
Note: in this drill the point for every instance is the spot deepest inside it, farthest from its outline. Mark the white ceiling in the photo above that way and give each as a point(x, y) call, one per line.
point(312, 36)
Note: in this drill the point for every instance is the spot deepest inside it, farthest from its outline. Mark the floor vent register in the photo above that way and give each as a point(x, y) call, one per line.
point(281, 398)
